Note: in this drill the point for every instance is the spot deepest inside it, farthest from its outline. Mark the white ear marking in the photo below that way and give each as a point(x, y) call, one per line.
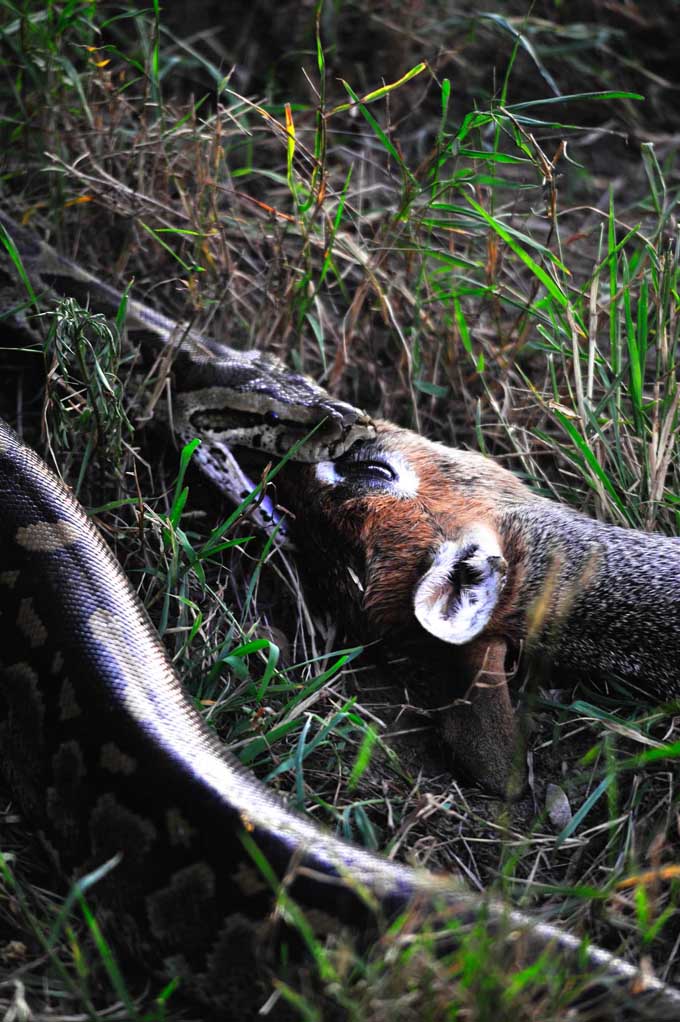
point(457, 595)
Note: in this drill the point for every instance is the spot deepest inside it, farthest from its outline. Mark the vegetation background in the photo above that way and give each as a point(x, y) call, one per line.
point(463, 220)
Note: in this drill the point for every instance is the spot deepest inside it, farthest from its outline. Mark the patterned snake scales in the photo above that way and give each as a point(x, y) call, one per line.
point(108, 758)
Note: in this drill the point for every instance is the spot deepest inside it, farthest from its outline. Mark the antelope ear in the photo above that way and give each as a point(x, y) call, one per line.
point(457, 595)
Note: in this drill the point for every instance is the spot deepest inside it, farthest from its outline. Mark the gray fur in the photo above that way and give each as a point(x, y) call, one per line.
point(597, 599)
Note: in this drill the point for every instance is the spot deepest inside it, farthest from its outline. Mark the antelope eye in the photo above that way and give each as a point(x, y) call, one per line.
point(369, 472)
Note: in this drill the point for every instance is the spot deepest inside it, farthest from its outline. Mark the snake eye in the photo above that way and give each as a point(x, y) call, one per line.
point(271, 418)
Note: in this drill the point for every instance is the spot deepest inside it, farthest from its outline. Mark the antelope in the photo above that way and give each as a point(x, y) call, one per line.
point(422, 540)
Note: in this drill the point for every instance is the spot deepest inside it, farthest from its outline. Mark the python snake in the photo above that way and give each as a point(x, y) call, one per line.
point(111, 763)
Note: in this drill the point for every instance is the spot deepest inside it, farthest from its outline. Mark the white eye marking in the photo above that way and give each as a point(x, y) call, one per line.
point(407, 482)
point(326, 473)
point(404, 484)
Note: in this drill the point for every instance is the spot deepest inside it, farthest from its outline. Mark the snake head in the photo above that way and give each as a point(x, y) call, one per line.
point(342, 427)
point(251, 399)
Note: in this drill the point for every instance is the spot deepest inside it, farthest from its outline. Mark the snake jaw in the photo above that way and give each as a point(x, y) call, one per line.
point(344, 427)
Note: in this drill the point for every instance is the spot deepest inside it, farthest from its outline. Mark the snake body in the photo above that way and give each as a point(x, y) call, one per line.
point(108, 758)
